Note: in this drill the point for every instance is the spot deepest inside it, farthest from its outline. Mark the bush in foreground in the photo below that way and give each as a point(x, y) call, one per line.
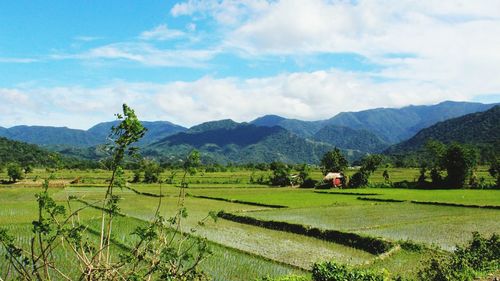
point(480, 256)
point(331, 271)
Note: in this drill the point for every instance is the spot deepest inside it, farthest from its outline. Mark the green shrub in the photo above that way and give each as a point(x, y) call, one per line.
point(358, 179)
point(331, 271)
point(309, 183)
point(285, 278)
point(15, 172)
point(481, 255)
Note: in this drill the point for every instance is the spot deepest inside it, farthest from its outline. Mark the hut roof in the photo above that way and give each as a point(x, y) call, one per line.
point(331, 176)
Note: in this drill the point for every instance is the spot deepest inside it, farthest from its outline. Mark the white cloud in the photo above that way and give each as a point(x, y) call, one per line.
point(452, 44)
point(85, 38)
point(227, 12)
point(309, 96)
point(161, 33)
point(146, 54)
point(18, 60)
point(429, 51)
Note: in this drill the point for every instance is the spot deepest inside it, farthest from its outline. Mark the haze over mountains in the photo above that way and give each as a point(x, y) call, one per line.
point(268, 138)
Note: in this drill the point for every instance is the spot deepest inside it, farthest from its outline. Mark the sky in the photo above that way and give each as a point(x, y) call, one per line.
point(74, 63)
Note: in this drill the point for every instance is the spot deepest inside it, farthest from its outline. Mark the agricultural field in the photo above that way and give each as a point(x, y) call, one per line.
point(250, 246)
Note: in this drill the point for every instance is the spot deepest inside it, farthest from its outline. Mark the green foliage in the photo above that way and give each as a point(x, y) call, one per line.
point(494, 170)
point(368, 165)
point(15, 172)
point(28, 169)
point(333, 161)
point(152, 171)
point(281, 174)
point(459, 162)
point(285, 278)
point(137, 176)
point(331, 271)
point(481, 255)
point(358, 179)
point(26, 154)
point(386, 176)
point(304, 179)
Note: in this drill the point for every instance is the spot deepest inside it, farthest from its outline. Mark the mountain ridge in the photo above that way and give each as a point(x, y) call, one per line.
point(367, 131)
point(480, 129)
point(226, 141)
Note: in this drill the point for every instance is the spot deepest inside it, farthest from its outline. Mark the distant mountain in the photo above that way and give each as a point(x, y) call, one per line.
point(59, 138)
point(227, 141)
point(394, 125)
point(347, 138)
point(25, 154)
point(359, 132)
point(43, 135)
point(481, 129)
point(299, 127)
point(391, 125)
point(269, 121)
point(214, 125)
point(239, 134)
point(156, 130)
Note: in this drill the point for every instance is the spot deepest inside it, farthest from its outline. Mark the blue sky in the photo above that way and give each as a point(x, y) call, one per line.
point(73, 63)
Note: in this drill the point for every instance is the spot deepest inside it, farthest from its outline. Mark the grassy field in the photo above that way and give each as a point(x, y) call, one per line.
point(249, 251)
point(19, 209)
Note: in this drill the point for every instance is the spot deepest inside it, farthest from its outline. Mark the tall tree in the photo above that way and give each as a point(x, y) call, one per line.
point(368, 165)
point(459, 162)
point(333, 161)
point(495, 170)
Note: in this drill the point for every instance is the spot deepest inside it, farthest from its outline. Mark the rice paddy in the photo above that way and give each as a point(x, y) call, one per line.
point(249, 251)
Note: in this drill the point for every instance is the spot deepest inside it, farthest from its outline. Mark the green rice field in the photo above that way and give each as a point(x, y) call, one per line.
point(250, 251)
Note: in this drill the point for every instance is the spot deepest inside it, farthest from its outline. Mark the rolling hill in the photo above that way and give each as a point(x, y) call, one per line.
point(45, 136)
point(25, 154)
point(480, 129)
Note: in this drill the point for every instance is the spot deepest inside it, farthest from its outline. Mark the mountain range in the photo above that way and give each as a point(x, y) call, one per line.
point(265, 139)
point(66, 137)
point(227, 141)
point(391, 125)
point(480, 129)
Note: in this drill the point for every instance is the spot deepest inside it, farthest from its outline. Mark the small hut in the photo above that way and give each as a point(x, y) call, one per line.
point(335, 179)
